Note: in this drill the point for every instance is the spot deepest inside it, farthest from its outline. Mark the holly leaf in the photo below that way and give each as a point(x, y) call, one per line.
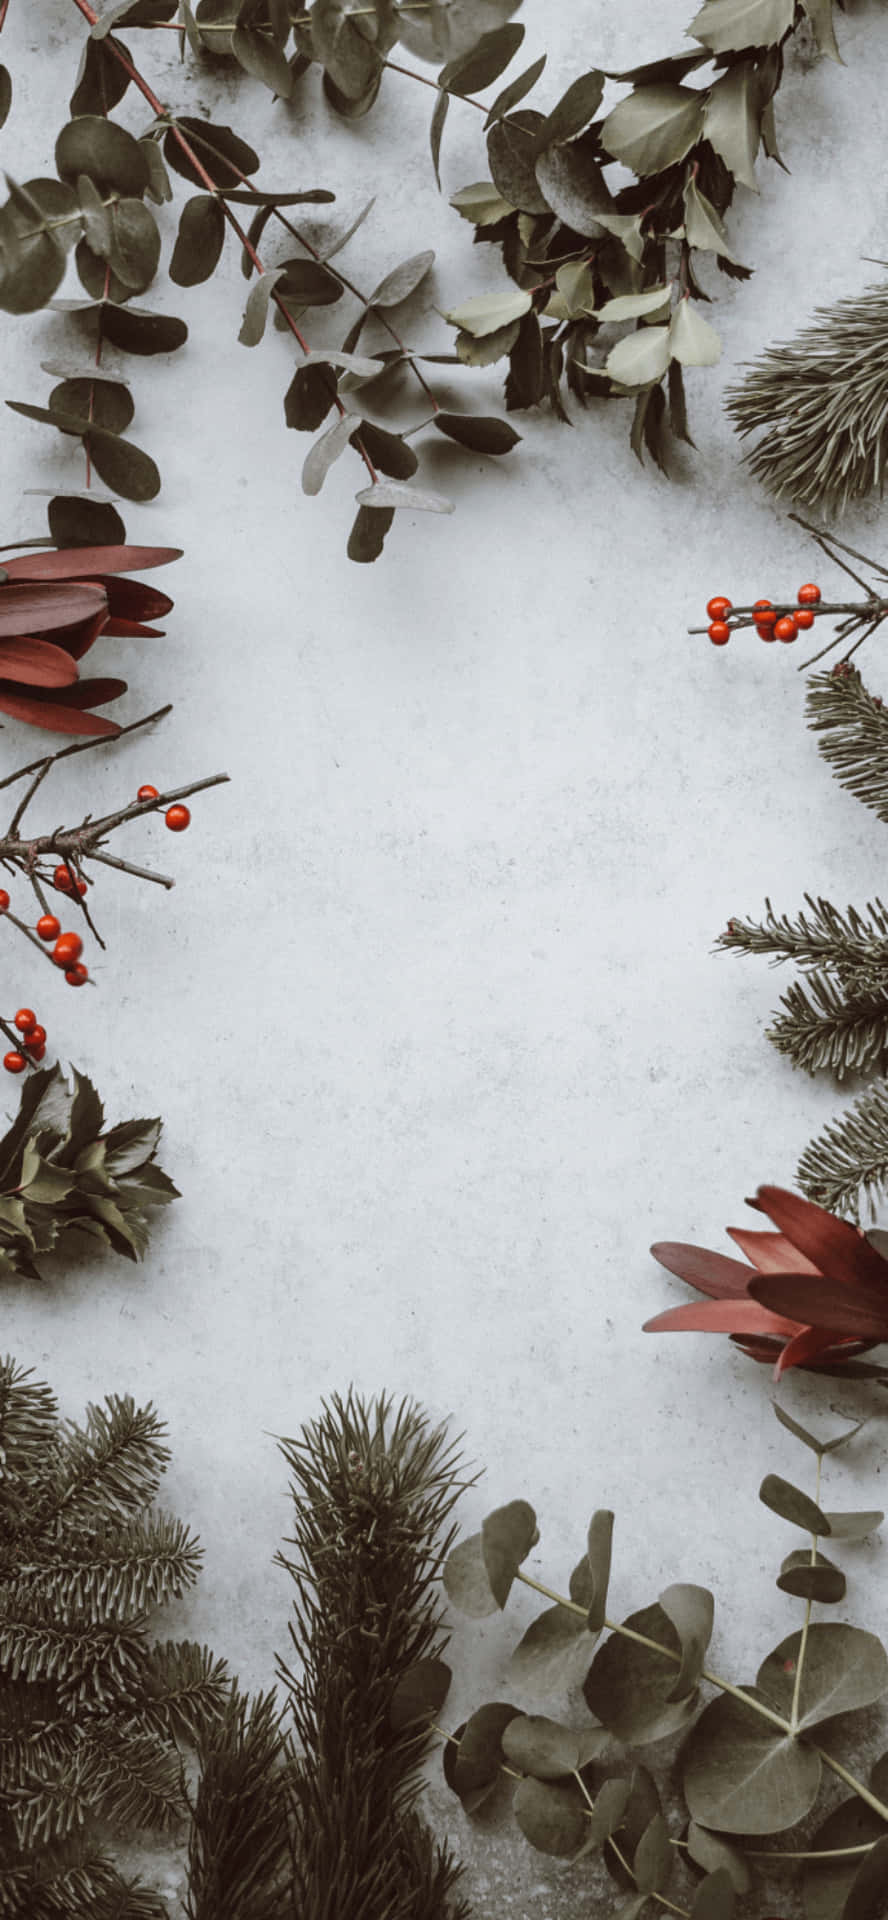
point(640, 357)
point(732, 121)
point(654, 127)
point(729, 26)
point(691, 339)
point(490, 312)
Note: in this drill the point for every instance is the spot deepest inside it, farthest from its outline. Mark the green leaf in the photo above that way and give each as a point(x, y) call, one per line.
point(199, 241)
point(510, 1532)
point(652, 1862)
point(715, 1897)
point(742, 1775)
point(309, 397)
point(639, 358)
point(435, 132)
point(256, 310)
point(365, 541)
point(254, 197)
point(610, 1805)
point(574, 111)
point(466, 1580)
point(573, 185)
point(490, 312)
point(101, 80)
point(820, 14)
point(690, 1609)
point(654, 127)
point(399, 493)
point(387, 451)
point(472, 72)
point(510, 157)
point(481, 204)
point(633, 306)
point(628, 1685)
point(691, 339)
point(844, 1668)
point(728, 26)
point(95, 276)
point(826, 1884)
point(554, 1653)
point(483, 353)
point(403, 280)
point(103, 150)
point(259, 56)
point(473, 1768)
point(419, 1694)
point(74, 522)
point(867, 1897)
point(703, 225)
point(133, 13)
point(130, 1144)
point(535, 1744)
point(325, 451)
point(480, 434)
point(121, 465)
point(793, 1505)
point(107, 403)
point(551, 1817)
point(599, 1540)
point(96, 216)
point(134, 252)
point(32, 264)
point(807, 1580)
point(515, 91)
point(308, 283)
point(714, 1854)
point(854, 1526)
point(221, 151)
point(159, 188)
point(350, 60)
point(137, 331)
point(732, 121)
point(356, 363)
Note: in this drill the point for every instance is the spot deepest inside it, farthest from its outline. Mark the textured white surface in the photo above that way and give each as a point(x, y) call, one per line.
point(432, 1016)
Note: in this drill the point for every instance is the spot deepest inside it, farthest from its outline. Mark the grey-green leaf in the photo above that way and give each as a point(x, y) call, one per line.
point(103, 150)
point(554, 1653)
point(325, 451)
point(715, 1897)
point(509, 1533)
point(654, 127)
point(628, 1685)
point(256, 310)
point(844, 1668)
point(535, 1744)
point(403, 280)
point(690, 1609)
point(466, 1580)
point(473, 71)
point(742, 1775)
point(515, 91)
point(199, 241)
point(728, 26)
point(574, 111)
point(712, 1852)
point(652, 1862)
point(551, 1817)
point(399, 493)
point(811, 1580)
point(480, 434)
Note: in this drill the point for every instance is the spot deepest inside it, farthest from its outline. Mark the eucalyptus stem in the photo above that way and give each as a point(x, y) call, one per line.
point(803, 1643)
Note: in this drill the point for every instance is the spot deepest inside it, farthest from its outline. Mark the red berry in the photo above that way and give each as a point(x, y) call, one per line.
point(718, 607)
point(147, 793)
point(36, 1052)
point(81, 888)
point(719, 634)
point(48, 927)
point(808, 595)
point(4, 899)
point(764, 613)
point(804, 617)
point(178, 818)
point(35, 1038)
point(14, 1062)
point(67, 949)
point(61, 879)
point(76, 975)
point(764, 633)
point(786, 628)
point(25, 1020)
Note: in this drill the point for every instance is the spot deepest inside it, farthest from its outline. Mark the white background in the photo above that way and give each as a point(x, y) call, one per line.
point(432, 1015)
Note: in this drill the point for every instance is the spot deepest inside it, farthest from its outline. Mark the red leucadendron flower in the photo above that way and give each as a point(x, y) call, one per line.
point(53, 606)
point(815, 1294)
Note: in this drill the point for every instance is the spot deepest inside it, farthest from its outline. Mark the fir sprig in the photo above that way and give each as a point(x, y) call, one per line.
point(852, 725)
point(238, 1862)
point(821, 401)
point(373, 1491)
point(848, 1161)
point(823, 1029)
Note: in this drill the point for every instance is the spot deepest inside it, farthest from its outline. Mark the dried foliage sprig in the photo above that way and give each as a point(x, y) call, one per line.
point(95, 1713)
point(820, 402)
point(581, 258)
point(751, 1763)
point(61, 1172)
point(374, 1487)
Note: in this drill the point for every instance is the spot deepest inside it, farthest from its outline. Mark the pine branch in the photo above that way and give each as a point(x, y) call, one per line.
point(849, 1159)
point(822, 402)
point(186, 1689)
point(854, 948)
point(854, 726)
point(238, 1852)
point(373, 1490)
point(124, 1571)
point(74, 1883)
point(821, 1030)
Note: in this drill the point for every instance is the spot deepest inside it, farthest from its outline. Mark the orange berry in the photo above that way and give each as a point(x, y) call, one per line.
point(719, 633)
point(786, 628)
point(804, 617)
point(718, 607)
point(808, 595)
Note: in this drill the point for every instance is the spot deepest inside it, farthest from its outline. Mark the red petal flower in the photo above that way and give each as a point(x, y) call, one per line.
point(52, 715)
point(28, 609)
point(83, 563)
point(711, 1273)
point(834, 1245)
point(771, 1252)
point(73, 594)
point(36, 663)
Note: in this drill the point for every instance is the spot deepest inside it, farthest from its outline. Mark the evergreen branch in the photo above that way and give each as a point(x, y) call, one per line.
point(28, 1419)
point(134, 1776)
point(854, 726)
point(849, 1159)
point(186, 1688)
point(113, 1465)
point(822, 401)
point(238, 1851)
point(74, 1883)
point(856, 949)
point(102, 1576)
point(827, 1032)
point(90, 1666)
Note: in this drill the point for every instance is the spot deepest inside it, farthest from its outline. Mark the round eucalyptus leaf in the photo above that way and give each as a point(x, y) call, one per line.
point(554, 1654)
point(5, 94)
point(511, 147)
point(715, 1898)
point(640, 1808)
point(573, 185)
point(387, 451)
point(135, 244)
point(476, 70)
point(105, 402)
point(58, 202)
point(96, 276)
point(690, 1609)
point(199, 241)
point(743, 1775)
point(419, 1694)
point(479, 434)
point(220, 151)
point(309, 397)
point(33, 266)
point(844, 1668)
point(103, 150)
point(811, 1580)
point(826, 1884)
point(75, 522)
point(714, 1854)
point(403, 280)
point(509, 1533)
point(136, 331)
point(101, 80)
point(535, 1744)
point(367, 536)
point(628, 1686)
point(552, 1817)
point(473, 1767)
point(466, 1580)
point(653, 1858)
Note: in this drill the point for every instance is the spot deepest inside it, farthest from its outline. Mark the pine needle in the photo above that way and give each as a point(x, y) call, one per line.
point(821, 400)
point(848, 1161)
point(853, 726)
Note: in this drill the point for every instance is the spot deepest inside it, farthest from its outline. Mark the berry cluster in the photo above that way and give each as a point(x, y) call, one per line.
point(177, 818)
point(32, 1046)
point(770, 622)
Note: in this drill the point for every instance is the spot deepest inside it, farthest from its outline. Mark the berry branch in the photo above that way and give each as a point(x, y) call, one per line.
point(788, 618)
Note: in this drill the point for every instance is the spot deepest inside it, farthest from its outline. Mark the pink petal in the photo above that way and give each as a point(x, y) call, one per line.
point(813, 1300)
point(771, 1252)
point(80, 563)
point(835, 1247)
point(722, 1316)
point(711, 1273)
point(36, 663)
